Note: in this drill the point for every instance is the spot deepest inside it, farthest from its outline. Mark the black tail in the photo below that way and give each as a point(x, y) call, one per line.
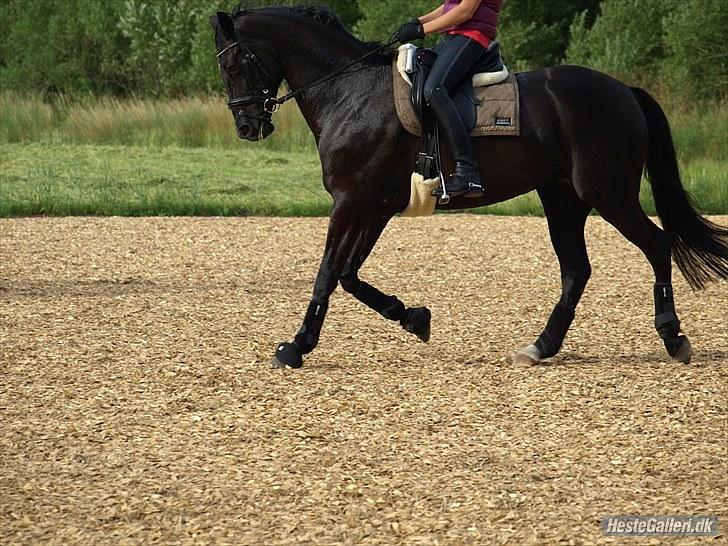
point(700, 247)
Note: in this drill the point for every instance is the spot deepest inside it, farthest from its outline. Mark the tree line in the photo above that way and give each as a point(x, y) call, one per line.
point(156, 48)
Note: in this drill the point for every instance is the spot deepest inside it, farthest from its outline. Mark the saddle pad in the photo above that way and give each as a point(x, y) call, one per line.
point(498, 112)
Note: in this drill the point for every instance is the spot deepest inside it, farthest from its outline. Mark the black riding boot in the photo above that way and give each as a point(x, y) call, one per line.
point(465, 180)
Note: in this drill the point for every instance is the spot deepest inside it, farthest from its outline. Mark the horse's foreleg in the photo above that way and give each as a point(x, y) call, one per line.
point(415, 320)
point(566, 215)
point(349, 240)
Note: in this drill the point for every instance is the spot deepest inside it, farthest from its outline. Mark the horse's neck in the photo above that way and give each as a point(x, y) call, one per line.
point(308, 58)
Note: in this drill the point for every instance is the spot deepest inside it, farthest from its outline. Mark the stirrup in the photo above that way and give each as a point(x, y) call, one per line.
point(472, 190)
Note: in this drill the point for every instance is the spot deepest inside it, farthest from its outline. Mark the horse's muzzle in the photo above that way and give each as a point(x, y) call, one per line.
point(255, 131)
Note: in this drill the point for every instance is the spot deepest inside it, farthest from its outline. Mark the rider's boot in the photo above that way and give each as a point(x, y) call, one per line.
point(465, 179)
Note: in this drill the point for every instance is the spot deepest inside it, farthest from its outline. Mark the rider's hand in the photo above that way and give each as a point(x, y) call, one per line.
point(411, 30)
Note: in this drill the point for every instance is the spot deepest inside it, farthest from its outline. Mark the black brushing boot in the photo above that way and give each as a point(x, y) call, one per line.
point(465, 180)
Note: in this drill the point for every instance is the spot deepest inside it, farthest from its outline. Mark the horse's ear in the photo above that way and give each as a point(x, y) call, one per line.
point(227, 25)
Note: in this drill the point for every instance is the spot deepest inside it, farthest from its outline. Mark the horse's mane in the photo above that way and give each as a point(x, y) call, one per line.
point(323, 15)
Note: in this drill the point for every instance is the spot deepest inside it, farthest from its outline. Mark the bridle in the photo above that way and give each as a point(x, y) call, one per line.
point(256, 76)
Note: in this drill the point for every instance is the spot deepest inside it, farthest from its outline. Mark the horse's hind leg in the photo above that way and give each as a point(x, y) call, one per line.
point(632, 222)
point(566, 215)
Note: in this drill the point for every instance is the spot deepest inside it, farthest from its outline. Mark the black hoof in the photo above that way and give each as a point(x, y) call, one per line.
point(287, 355)
point(417, 322)
point(680, 349)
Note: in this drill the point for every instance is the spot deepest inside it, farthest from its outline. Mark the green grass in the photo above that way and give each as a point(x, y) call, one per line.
point(192, 122)
point(52, 179)
point(77, 179)
point(105, 156)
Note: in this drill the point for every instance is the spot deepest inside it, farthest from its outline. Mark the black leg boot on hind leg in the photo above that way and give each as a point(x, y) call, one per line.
point(668, 325)
point(465, 180)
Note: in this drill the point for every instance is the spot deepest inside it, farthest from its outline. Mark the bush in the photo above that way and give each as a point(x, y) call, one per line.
point(535, 34)
point(697, 55)
point(625, 41)
point(73, 46)
point(381, 18)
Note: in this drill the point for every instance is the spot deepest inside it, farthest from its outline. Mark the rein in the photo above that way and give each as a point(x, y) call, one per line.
point(333, 75)
point(271, 104)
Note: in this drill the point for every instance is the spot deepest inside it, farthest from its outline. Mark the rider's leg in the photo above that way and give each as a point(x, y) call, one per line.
point(456, 57)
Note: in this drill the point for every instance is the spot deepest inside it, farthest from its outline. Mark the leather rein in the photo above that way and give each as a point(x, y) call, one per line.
point(256, 74)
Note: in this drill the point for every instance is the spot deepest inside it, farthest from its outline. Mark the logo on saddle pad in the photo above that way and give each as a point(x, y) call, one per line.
point(503, 121)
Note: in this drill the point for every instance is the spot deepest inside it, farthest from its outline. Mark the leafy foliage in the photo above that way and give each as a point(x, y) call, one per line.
point(535, 34)
point(680, 44)
point(696, 51)
point(625, 41)
point(145, 48)
point(74, 46)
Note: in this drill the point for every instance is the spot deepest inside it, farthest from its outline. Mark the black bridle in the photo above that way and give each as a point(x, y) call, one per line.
point(256, 76)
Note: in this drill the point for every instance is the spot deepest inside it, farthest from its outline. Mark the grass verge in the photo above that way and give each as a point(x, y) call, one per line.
point(67, 180)
point(60, 180)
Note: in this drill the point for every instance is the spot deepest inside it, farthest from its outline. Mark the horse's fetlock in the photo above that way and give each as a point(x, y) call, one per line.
point(547, 346)
point(667, 325)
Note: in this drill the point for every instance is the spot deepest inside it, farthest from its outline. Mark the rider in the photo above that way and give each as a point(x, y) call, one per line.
point(468, 26)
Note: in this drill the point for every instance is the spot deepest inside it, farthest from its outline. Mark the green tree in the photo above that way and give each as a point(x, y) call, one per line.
point(380, 18)
point(696, 62)
point(75, 46)
point(625, 41)
point(535, 34)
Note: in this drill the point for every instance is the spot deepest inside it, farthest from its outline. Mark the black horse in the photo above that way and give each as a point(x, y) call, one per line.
point(586, 139)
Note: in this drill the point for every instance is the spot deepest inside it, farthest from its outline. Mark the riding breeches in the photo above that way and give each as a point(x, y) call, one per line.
point(456, 56)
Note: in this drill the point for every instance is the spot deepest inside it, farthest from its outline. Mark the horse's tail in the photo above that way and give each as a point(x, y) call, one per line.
point(700, 247)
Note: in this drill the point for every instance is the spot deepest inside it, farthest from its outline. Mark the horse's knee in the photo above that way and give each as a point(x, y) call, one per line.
point(350, 283)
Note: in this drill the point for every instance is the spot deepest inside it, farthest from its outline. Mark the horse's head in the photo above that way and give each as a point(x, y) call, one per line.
point(251, 78)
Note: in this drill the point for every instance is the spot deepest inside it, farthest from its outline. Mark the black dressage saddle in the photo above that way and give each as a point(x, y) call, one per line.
point(463, 96)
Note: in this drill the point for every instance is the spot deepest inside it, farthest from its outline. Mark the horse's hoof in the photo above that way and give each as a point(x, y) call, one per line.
point(684, 352)
point(417, 322)
point(287, 356)
point(528, 356)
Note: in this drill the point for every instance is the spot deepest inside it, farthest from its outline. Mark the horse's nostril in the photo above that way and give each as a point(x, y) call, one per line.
point(245, 129)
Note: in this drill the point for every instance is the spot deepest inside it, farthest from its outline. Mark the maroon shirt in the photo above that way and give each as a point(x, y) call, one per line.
point(485, 19)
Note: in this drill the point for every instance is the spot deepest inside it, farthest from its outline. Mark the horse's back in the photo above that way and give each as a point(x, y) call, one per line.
point(582, 97)
point(588, 108)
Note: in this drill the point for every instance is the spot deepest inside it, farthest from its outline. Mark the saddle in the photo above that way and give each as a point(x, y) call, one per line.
point(418, 62)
